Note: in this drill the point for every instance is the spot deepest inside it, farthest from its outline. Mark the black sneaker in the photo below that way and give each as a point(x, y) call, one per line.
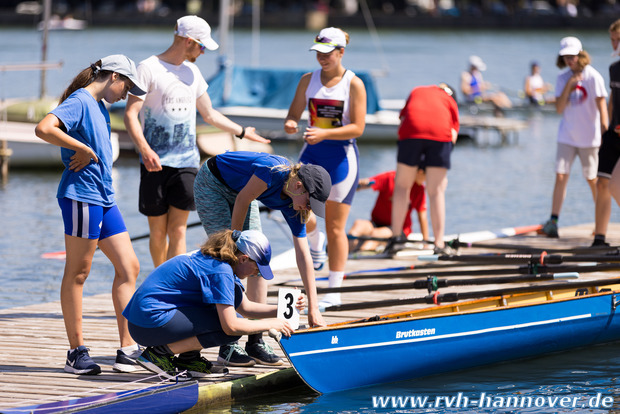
point(235, 356)
point(443, 251)
point(127, 362)
point(263, 353)
point(161, 364)
point(80, 363)
point(599, 243)
point(199, 367)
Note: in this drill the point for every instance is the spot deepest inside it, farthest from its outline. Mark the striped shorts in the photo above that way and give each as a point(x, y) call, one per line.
point(90, 221)
point(215, 202)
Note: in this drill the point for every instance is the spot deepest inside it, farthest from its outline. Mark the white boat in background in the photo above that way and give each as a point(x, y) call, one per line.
point(29, 151)
point(66, 23)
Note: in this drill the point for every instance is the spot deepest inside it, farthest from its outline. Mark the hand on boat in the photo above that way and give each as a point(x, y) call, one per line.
point(82, 158)
point(282, 326)
point(250, 133)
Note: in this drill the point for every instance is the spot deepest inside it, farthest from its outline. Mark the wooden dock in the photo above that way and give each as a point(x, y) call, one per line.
point(33, 342)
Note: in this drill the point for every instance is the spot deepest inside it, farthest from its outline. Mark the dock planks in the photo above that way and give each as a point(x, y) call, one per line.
point(33, 344)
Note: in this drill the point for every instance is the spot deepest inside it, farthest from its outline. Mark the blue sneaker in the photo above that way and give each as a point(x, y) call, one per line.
point(319, 257)
point(80, 363)
point(127, 362)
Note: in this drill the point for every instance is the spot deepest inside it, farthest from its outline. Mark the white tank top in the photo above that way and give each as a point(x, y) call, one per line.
point(328, 107)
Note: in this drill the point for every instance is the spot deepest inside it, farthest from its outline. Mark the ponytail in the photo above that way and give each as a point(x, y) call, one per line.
point(85, 78)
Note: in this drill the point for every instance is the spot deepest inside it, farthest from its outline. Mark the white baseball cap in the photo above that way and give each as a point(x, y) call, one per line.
point(257, 247)
point(570, 46)
point(121, 64)
point(196, 28)
point(477, 62)
point(329, 39)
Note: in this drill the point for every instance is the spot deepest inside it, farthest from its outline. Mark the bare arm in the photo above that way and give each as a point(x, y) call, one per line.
point(601, 103)
point(306, 271)
point(234, 326)
point(252, 190)
point(49, 130)
point(132, 123)
point(297, 106)
point(213, 117)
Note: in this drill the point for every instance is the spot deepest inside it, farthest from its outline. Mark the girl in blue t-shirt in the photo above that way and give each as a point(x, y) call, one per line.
point(80, 125)
point(190, 302)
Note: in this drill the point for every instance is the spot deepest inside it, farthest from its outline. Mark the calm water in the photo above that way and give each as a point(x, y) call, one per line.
point(489, 187)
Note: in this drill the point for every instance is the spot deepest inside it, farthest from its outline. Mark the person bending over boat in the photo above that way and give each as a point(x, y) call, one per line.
point(427, 133)
point(581, 100)
point(381, 216)
point(535, 87)
point(227, 190)
point(476, 90)
point(162, 125)
point(80, 125)
point(191, 302)
point(608, 177)
point(336, 101)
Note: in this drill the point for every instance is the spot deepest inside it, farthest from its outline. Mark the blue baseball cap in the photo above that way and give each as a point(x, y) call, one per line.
point(257, 247)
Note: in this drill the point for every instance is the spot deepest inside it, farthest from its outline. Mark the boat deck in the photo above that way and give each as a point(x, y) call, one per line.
point(34, 345)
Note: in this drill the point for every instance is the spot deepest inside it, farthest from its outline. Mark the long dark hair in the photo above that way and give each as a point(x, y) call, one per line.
point(86, 77)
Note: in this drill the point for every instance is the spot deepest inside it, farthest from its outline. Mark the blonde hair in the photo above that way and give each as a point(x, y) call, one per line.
point(615, 26)
point(293, 169)
point(583, 60)
point(221, 246)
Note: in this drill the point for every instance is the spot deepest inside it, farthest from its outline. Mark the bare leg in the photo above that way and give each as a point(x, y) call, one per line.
point(119, 250)
point(559, 193)
point(158, 241)
point(602, 210)
point(360, 228)
point(405, 176)
point(336, 215)
point(436, 184)
point(176, 229)
point(77, 267)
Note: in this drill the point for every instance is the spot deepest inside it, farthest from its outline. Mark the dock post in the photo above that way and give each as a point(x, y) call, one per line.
point(5, 154)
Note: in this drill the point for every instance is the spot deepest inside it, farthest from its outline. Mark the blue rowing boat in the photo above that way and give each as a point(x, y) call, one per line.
point(452, 337)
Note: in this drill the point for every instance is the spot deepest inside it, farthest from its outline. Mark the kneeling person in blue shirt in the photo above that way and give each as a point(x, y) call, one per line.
point(191, 301)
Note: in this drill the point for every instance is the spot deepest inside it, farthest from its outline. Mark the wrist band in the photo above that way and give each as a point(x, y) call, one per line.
point(242, 134)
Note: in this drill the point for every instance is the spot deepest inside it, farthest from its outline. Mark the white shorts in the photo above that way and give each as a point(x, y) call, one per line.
point(566, 155)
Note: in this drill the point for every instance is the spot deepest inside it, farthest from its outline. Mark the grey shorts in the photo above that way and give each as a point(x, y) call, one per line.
point(565, 157)
point(215, 202)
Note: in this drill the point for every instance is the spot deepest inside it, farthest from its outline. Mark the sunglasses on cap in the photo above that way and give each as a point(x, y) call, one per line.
point(202, 46)
point(325, 41)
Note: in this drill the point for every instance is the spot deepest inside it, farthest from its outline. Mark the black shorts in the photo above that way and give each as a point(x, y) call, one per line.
point(608, 153)
point(424, 152)
point(169, 187)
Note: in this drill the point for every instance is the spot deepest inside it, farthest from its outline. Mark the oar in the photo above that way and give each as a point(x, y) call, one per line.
point(432, 283)
point(511, 258)
point(438, 298)
point(522, 270)
point(457, 244)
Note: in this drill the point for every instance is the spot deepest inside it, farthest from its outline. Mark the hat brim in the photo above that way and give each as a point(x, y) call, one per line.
point(322, 48)
point(265, 271)
point(318, 207)
point(136, 90)
point(210, 44)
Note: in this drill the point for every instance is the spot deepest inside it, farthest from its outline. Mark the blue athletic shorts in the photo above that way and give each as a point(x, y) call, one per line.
point(414, 152)
point(89, 221)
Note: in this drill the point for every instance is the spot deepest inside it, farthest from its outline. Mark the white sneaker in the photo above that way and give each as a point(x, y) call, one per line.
point(330, 299)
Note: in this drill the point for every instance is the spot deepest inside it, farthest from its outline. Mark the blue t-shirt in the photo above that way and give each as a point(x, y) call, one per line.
point(187, 280)
point(88, 121)
point(237, 167)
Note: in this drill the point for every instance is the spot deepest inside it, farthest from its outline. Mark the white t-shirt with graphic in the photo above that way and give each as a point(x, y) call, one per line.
point(580, 125)
point(168, 115)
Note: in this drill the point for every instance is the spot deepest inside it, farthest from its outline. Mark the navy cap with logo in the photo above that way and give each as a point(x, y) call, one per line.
point(318, 183)
point(257, 247)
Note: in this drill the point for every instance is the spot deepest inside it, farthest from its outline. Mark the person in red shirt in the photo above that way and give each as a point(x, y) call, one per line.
point(381, 216)
point(427, 133)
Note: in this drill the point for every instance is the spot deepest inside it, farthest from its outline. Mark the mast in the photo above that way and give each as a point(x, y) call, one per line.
point(47, 10)
point(255, 32)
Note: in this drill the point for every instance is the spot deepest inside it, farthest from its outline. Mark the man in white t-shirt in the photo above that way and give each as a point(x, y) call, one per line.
point(162, 125)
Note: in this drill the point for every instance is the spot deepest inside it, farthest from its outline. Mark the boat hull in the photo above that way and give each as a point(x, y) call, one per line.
point(396, 350)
